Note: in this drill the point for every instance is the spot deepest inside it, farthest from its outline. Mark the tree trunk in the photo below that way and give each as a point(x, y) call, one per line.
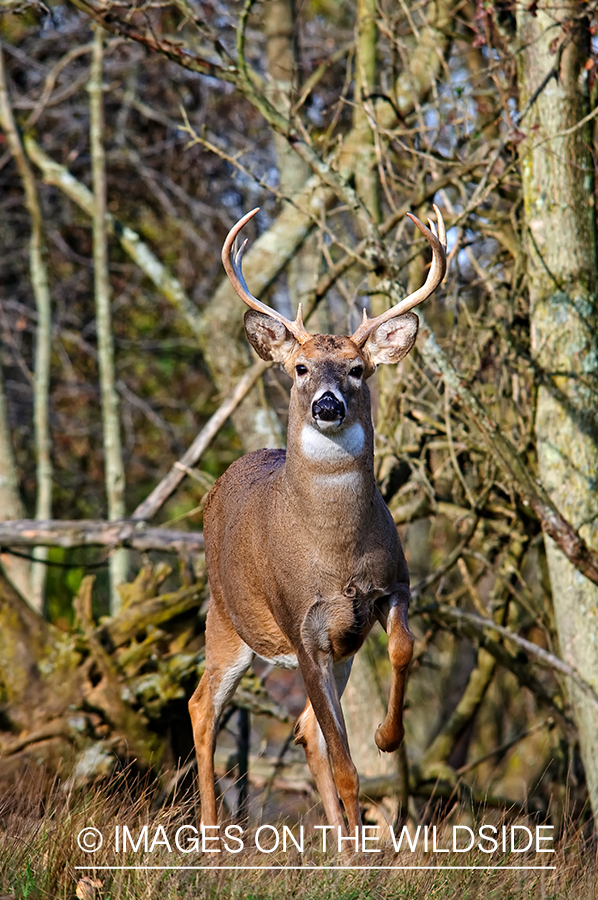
point(557, 172)
point(43, 335)
point(113, 457)
point(17, 570)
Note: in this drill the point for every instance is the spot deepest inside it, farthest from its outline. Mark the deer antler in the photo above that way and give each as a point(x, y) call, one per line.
point(232, 261)
point(436, 237)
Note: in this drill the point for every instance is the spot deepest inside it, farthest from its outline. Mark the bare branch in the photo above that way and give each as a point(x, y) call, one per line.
point(96, 533)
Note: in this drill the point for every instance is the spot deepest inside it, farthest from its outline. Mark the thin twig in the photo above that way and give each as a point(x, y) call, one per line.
point(508, 745)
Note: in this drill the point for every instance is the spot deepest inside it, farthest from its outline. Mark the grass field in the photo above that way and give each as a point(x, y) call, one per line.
point(40, 857)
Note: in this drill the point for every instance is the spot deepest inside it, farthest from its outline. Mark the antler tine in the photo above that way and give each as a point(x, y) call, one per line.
point(436, 237)
point(232, 260)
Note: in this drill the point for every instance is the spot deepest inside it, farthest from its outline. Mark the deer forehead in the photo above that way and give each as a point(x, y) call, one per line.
point(325, 352)
point(331, 344)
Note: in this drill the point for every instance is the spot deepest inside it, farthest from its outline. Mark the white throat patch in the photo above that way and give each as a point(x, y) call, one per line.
point(334, 448)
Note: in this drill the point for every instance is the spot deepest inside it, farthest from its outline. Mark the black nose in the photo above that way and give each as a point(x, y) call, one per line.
point(328, 408)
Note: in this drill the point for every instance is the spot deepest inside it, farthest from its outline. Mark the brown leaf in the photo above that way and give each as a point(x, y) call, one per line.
point(88, 888)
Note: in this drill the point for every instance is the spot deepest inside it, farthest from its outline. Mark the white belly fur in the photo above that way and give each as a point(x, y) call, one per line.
point(284, 660)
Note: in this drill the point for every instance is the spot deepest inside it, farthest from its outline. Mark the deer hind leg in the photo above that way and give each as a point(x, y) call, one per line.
point(310, 735)
point(227, 660)
point(393, 616)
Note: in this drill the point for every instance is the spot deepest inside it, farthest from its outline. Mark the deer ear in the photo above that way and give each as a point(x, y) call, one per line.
point(268, 337)
point(392, 340)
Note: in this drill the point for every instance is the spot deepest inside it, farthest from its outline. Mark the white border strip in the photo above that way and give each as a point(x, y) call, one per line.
point(316, 868)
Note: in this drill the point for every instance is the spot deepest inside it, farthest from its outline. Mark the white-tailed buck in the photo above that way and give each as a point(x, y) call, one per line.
point(302, 553)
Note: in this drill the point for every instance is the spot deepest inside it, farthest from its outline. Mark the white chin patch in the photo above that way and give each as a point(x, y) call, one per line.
point(334, 446)
point(327, 426)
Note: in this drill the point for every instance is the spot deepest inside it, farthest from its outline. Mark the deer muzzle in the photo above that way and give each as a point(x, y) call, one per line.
point(328, 408)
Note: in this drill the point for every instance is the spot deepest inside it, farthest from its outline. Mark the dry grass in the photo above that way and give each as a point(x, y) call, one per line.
point(39, 856)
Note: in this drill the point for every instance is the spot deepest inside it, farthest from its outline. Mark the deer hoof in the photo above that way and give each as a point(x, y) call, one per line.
point(387, 740)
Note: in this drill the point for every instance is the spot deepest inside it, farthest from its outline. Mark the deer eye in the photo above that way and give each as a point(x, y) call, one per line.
point(301, 370)
point(356, 372)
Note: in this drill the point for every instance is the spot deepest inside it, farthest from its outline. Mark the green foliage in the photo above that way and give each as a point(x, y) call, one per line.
point(26, 883)
point(62, 584)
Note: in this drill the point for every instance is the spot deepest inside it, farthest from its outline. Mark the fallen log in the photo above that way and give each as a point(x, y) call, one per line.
point(128, 533)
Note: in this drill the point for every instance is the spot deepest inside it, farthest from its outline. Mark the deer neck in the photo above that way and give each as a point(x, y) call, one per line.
point(331, 474)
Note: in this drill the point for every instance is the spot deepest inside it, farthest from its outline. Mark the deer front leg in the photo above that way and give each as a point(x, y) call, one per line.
point(316, 663)
point(227, 660)
point(310, 735)
point(392, 614)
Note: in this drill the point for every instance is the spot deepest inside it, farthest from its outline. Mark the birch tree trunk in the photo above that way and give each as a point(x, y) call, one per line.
point(43, 336)
point(557, 172)
point(113, 460)
point(17, 570)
